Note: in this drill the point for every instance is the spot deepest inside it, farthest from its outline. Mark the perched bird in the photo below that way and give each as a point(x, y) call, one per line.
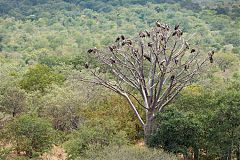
point(176, 27)
point(150, 44)
point(135, 52)
point(158, 24)
point(172, 77)
point(186, 67)
point(210, 56)
point(176, 61)
point(110, 48)
point(174, 33)
point(86, 65)
point(163, 61)
point(187, 45)
point(147, 57)
point(117, 39)
point(90, 51)
point(128, 42)
point(122, 37)
point(142, 35)
point(148, 34)
point(193, 50)
point(112, 61)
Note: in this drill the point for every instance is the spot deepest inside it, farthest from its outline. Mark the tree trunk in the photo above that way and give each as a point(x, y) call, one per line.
point(148, 127)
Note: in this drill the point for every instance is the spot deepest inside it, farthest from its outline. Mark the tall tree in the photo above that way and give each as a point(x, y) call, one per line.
point(158, 64)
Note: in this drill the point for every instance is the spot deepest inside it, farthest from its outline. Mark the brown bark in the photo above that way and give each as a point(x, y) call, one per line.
point(148, 127)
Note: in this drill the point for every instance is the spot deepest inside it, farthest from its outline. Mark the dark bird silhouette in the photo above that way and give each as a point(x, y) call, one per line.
point(147, 57)
point(187, 45)
point(122, 37)
point(117, 39)
point(148, 34)
point(142, 35)
point(176, 27)
point(112, 61)
point(193, 50)
point(150, 44)
point(162, 62)
point(90, 51)
point(176, 61)
point(186, 67)
point(86, 65)
point(110, 48)
point(172, 77)
point(158, 24)
point(174, 33)
point(210, 56)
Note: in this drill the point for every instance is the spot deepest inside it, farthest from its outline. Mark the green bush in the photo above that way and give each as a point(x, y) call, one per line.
point(91, 139)
point(30, 134)
point(133, 153)
point(175, 132)
point(40, 77)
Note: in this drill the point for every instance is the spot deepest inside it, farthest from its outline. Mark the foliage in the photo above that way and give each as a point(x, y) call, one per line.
point(39, 77)
point(13, 101)
point(175, 132)
point(93, 137)
point(30, 134)
point(224, 127)
point(133, 153)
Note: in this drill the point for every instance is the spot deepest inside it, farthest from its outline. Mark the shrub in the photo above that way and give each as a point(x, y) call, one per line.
point(175, 132)
point(91, 139)
point(40, 77)
point(133, 153)
point(30, 134)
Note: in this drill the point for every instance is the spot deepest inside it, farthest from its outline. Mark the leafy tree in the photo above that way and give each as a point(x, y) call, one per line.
point(175, 132)
point(30, 134)
point(157, 64)
point(224, 127)
point(93, 137)
point(40, 77)
point(14, 101)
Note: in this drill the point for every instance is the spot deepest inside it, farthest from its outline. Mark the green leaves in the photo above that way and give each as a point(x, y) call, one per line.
point(40, 77)
point(30, 134)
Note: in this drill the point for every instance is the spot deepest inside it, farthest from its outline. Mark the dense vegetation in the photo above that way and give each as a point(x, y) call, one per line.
point(43, 53)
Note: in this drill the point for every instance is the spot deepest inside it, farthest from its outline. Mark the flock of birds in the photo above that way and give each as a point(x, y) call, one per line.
point(121, 40)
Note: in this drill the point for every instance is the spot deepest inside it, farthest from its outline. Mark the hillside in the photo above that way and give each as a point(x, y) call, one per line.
point(47, 48)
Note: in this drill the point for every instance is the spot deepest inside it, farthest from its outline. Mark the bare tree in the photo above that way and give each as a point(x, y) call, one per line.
point(158, 64)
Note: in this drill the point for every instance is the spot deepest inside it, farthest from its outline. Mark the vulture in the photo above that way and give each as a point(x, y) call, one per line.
point(210, 56)
point(112, 61)
point(135, 52)
point(86, 65)
point(186, 67)
point(176, 27)
point(172, 77)
point(158, 24)
point(187, 45)
point(148, 34)
point(147, 57)
point(142, 35)
point(162, 62)
point(176, 61)
point(122, 37)
point(129, 42)
point(174, 33)
point(150, 44)
point(110, 48)
point(92, 50)
point(117, 39)
point(193, 50)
